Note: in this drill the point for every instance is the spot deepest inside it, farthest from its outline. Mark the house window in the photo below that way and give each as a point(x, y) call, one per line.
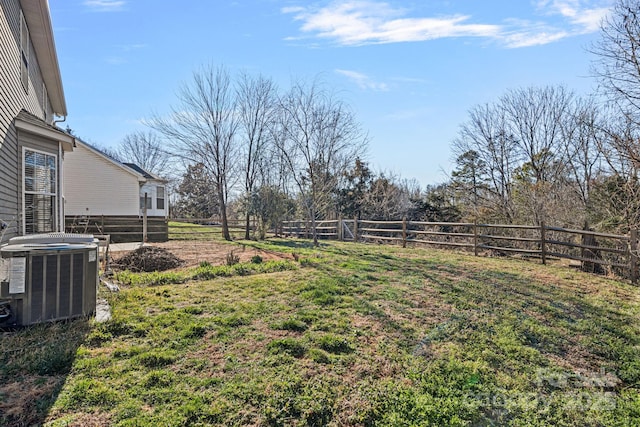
point(40, 192)
point(24, 53)
point(148, 202)
point(160, 198)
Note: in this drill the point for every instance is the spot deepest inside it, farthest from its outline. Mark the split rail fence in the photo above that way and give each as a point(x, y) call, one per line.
point(201, 227)
point(596, 252)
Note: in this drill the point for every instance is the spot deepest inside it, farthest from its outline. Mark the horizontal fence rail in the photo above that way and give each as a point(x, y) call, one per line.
point(596, 252)
point(121, 229)
point(194, 227)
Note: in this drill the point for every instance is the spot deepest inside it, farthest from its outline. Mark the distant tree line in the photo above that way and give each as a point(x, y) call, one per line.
point(546, 154)
point(238, 146)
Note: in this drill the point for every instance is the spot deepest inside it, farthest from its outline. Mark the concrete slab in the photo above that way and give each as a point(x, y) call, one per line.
point(103, 311)
point(124, 247)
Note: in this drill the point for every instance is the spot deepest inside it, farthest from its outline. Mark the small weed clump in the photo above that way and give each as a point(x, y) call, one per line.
point(232, 259)
point(294, 325)
point(290, 346)
point(256, 259)
point(335, 344)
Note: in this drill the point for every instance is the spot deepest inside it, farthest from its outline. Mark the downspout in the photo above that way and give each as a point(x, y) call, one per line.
point(61, 219)
point(64, 119)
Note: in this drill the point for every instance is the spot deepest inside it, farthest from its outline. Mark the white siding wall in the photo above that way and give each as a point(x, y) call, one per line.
point(95, 186)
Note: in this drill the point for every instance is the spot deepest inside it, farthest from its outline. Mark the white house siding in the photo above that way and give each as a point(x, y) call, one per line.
point(94, 185)
point(13, 98)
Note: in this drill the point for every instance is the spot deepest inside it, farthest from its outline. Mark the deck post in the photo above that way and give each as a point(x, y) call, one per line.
point(144, 219)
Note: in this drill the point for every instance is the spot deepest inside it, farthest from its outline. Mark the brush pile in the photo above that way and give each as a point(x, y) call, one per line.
point(147, 259)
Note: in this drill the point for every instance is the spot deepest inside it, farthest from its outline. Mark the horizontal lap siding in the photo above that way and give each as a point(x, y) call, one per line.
point(95, 186)
point(13, 99)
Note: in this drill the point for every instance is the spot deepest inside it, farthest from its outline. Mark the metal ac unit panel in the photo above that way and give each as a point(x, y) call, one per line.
point(47, 238)
point(60, 282)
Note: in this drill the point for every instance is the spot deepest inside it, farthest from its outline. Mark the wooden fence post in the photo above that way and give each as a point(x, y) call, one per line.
point(340, 229)
point(404, 232)
point(475, 237)
point(355, 229)
point(543, 242)
point(633, 255)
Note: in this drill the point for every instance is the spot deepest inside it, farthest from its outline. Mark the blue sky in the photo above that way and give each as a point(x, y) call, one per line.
point(411, 70)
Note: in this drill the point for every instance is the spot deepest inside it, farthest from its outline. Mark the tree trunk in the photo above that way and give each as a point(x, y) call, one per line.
point(247, 226)
point(314, 225)
point(223, 215)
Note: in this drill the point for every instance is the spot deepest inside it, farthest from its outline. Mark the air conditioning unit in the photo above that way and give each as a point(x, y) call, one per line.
point(50, 277)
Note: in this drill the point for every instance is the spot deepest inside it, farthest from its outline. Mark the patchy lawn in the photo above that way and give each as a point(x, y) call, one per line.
point(344, 334)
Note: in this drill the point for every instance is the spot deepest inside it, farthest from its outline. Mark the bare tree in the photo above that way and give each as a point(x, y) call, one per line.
point(534, 116)
point(581, 138)
point(487, 135)
point(317, 137)
point(617, 65)
point(145, 150)
point(256, 103)
point(202, 129)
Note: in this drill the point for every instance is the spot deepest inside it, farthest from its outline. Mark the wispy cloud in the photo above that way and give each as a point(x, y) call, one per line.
point(520, 33)
point(105, 5)
point(579, 13)
point(362, 22)
point(363, 81)
point(366, 22)
point(133, 46)
point(403, 115)
point(115, 60)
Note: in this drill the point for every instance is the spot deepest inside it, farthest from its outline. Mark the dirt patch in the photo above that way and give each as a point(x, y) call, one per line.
point(147, 258)
point(195, 252)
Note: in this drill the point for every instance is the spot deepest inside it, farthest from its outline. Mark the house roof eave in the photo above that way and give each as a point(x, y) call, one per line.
point(27, 123)
point(36, 13)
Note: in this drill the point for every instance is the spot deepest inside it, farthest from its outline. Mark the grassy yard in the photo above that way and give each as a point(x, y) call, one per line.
point(347, 334)
point(188, 231)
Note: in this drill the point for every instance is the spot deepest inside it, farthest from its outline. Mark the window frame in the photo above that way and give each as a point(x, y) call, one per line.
point(158, 198)
point(24, 52)
point(54, 177)
point(149, 203)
